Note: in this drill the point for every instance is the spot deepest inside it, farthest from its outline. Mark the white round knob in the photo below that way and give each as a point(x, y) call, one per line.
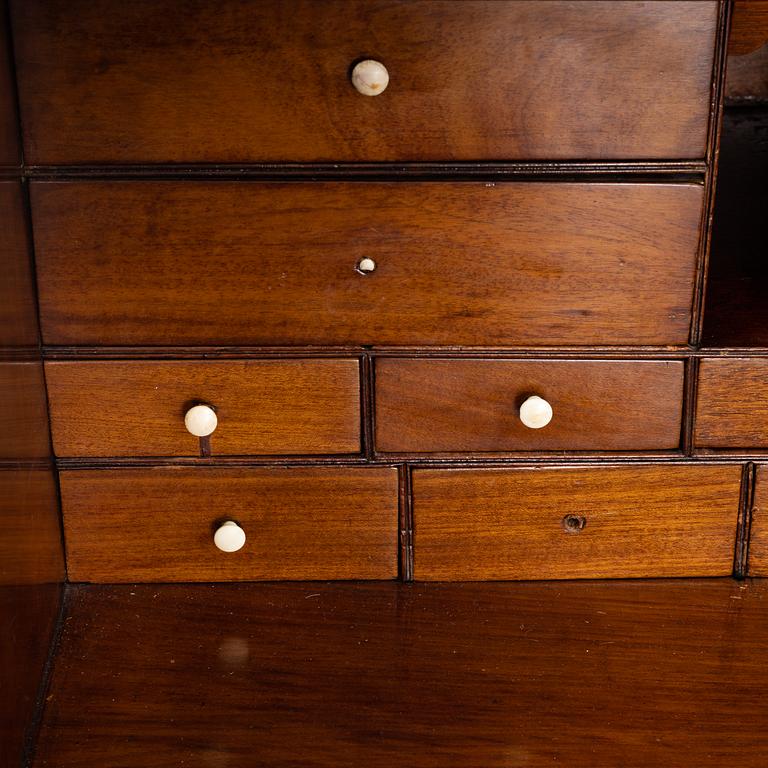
point(229, 537)
point(201, 420)
point(366, 266)
point(535, 412)
point(370, 77)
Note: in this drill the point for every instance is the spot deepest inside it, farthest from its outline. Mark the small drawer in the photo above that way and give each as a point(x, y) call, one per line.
point(732, 403)
point(436, 406)
point(758, 542)
point(575, 522)
point(365, 263)
point(127, 525)
point(268, 407)
point(275, 80)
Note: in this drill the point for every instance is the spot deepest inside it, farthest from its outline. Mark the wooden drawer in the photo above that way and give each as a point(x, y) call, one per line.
point(235, 82)
point(456, 263)
point(301, 523)
point(523, 523)
point(478, 405)
point(262, 406)
point(732, 403)
point(758, 543)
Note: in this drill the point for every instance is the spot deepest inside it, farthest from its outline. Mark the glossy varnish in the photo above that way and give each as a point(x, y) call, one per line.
point(456, 263)
point(648, 673)
point(235, 82)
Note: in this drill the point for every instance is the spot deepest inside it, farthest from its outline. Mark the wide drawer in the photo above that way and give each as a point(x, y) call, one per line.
point(483, 405)
point(234, 82)
point(575, 522)
point(455, 263)
point(732, 403)
point(300, 523)
point(137, 408)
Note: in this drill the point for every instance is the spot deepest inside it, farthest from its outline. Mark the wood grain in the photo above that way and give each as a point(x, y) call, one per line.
point(158, 524)
point(659, 520)
point(758, 543)
point(598, 674)
point(133, 408)
point(24, 433)
point(18, 308)
point(732, 403)
point(473, 405)
point(458, 263)
point(10, 143)
point(173, 81)
point(749, 26)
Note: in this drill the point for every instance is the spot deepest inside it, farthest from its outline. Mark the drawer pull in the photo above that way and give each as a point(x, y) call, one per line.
point(366, 266)
point(229, 537)
point(574, 523)
point(535, 412)
point(201, 420)
point(370, 77)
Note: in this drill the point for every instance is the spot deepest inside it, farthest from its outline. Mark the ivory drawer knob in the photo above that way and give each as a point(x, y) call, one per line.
point(366, 266)
point(370, 77)
point(201, 420)
point(535, 412)
point(229, 537)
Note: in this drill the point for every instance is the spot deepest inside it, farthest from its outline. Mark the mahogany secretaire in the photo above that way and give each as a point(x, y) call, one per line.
point(382, 309)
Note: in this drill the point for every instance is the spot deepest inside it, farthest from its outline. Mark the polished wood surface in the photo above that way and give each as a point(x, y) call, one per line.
point(134, 408)
point(24, 433)
point(457, 263)
point(474, 405)
point(732, 403)
point(158, 524)
point(574, 522)
point(749, 26)
point(242, 82)
point(758, 544)
point(10, 144)
point(28, 618)
point(580, 674)
point(18, 309)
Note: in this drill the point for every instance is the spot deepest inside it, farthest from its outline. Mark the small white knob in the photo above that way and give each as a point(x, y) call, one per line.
point(535, 412)
point(370, 77)
point(366, 266)
point(201, 420)
point(229, 537)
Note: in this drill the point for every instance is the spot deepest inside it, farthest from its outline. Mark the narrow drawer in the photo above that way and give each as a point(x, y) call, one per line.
point(278, 263)
point(159, 524)
point(236, 82)
point(732, 403)
point(575, 522)
point(758, 543)
point(272, 407)
point(425, 406)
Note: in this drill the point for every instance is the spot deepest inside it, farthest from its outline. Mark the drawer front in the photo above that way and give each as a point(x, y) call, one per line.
point(758, 542)
point(483, 405)
point(575, 522)
point(732, 403)
point(235, 82)
point(262, 407)
point(127, 525)
point(455, 263)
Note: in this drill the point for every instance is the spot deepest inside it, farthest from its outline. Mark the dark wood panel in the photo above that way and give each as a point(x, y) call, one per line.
point(173, 81)
point(18, 309)
point(749, 26)
point(598, 674)
point(10, 145)
point(29, 616)
point(24, 431)
point(158, 524)
point(732, 403)
point(575, 522)
point(758, 544)
point(474, 405)
point(133, 408)
point(457, 263)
